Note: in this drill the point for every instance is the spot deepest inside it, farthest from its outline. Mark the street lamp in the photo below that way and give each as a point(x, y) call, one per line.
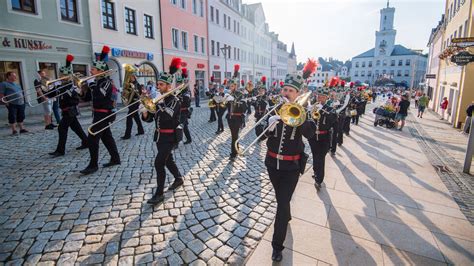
point(224, 51)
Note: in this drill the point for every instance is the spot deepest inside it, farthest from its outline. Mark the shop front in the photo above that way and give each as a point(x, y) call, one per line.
point(25, 54)
point(198, 75)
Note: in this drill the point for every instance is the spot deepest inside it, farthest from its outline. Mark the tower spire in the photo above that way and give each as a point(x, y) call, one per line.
point(388, 3)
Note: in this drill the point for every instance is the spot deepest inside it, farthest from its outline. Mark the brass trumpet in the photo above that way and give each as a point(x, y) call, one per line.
point(292, 114)
point(80, 81)
point(148, 103)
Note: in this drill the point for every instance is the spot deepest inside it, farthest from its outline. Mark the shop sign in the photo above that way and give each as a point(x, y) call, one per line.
point(463, 42)
point(117, 52)
point(24, 43)
point(201, 66)
point(463, 58)
point(217, 67)
point(430, 76)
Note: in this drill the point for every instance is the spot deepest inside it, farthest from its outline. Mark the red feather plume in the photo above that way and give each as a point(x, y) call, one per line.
point(175, 65)
point(184, 72)
point(212, 78)
point(334, 81)
point(236, 70)
point(309, 68)
point(342, 83)
point(225, 82)
point(69, 58)
point(105, 49)
point(351, 85)
point(264, 80)
point(274, 83)
point(242, 82)
point(282, 83)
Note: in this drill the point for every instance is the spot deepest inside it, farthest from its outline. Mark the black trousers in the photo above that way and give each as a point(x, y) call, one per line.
point(184, 121)
point(213, 114)
point(163, 159)
point(136, 117)
point(284, 183)
point(105, 136)
point(234, 125)
point(220, 123)
point(69, 121)
point(334, 137)
point(339, 128)
point(347, 124)
point(249, 108)
point(355, 119)
point(319, 148)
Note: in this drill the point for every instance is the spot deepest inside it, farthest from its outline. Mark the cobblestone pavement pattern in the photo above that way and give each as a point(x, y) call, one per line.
point(49, 213)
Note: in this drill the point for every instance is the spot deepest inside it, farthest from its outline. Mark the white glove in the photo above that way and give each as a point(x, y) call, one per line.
point(310, 107)
point(336, 103)
point(272, 122)
point(254, 98)
point(142, 108)
point(319, 106)
point(57, 83)
point(89, 81)
point(77, 89)
point(230, 98)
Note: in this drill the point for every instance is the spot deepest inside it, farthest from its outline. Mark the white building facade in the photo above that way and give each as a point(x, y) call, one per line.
point(387, 59)
point(132, 31)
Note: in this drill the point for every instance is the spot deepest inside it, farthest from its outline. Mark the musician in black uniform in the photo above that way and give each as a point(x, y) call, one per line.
point(321, 140)
point(260, 105)
point(136, 88)
point(100, 92)
point(285, 162)
point(221, 107)
point(68, 97)
point(236, 108)
point(211, 93)
point(186, 109)
point(338, 132)
point(356, 106)
point(166, 134)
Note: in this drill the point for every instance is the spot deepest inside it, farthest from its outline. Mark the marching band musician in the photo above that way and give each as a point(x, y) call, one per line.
point(166, 134)
point(250, 94)
point(221, 107)
point(100, 91)
point(285, 162)
point(236, 108)
point(185, 99)
point(68, 96)
point(136, 92)
point(260, 105)
point(211, 92)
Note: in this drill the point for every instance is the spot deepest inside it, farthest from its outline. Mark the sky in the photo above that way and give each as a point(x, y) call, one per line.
point(342, 29)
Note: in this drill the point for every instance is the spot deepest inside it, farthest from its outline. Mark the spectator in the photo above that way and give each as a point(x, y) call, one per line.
point(417, 98)
point(43, 100)
point(422, 103)
point(151, 89)
point(196, 94)
point(444, 106)
point(402, 111)
point(115, 95)
point(16, 107)
point(467, 123)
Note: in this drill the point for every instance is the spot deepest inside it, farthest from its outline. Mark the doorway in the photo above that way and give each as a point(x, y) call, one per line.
point(199, 74)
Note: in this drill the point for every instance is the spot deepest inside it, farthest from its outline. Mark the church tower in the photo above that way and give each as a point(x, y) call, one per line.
point(385, 36)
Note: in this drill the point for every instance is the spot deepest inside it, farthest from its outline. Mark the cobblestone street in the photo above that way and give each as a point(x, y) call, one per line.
point(50, 213)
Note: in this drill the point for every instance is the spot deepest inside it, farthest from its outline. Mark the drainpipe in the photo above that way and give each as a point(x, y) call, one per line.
point(161, 37)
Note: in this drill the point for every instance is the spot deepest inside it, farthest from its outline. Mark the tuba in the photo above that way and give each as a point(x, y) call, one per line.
point(128, 91)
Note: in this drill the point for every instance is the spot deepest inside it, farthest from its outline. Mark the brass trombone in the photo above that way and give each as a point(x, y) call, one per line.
point(148, 103)
point(292, 114)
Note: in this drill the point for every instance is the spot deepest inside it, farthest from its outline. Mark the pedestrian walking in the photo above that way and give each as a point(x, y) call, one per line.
point(42, 99)
point(422, 104)
point(196, 94)
point(402, 111)
point(467, 123)
point(444, 106)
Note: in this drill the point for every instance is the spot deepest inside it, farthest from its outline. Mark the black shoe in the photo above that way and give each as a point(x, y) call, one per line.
point(23, 131)
point(49, 127)
point(317, 185)
point(232, 157)
point(125, 137)
point(187, 142)
point(111, 163)
point(140, 133)
point(277, 256)
point(339, 144)
point(156, 199)
point(333, 154)
point(218, 132)
point(56, 153)
point(14, 132)
point(89, 170)
point(54, 125)
point(82, 147)
point(176, 184)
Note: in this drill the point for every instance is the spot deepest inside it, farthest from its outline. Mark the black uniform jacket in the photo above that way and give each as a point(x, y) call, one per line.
point(166, 120)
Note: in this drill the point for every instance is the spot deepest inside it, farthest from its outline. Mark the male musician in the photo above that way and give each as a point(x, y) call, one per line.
point(42, 99)
point(236, 107)
point(221, 107)
point(320, 142)
point(166, 135)
point(102, 104)
point(211, 92)
point(68, 96)
point(136, 92)
point(285, 162)
point(338, 131)
point(260, 105)
point(185, 100)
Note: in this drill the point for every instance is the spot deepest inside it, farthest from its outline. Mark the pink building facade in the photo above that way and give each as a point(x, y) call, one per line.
point(185, 35)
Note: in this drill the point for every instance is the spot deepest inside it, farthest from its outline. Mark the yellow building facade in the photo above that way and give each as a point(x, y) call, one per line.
point(456, 83)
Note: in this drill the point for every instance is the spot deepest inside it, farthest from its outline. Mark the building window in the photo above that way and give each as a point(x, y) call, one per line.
point(203, 45)
point(460, 31)
point(69, 10)
point(228, 22)
point(362, 74)
point(407, 73)
point(212, 47)
point(356, 73)
point(218, 50)
point(79, 68)
point(377, 63)
point(363, 64)
point(399, 73)
point(229, 51)
point(392, 63)
point(182, 4)
point(407, 62)
point(384, 62)
point(201, 8)
point(370, 63)
point(392, 73)
point(384, 71)
point(217, 16)
point(376, 73)
point(369, 74)
point(235, 26)
point(195, 7)
point(357, 64)
point(225, 21)
point(175, 38)
point(24, 5)
point(400, 62)
point(212, 13)
point(196, 43)
point(108, 15)
point(184, 40)
point(130, 25)
point(148, 24)
point(465, 28)
point(238, 28)
point(174, 2)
